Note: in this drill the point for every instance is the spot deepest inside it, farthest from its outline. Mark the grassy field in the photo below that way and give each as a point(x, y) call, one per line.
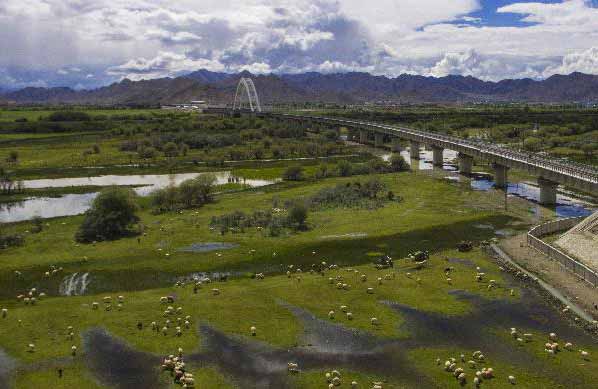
point(425, 312)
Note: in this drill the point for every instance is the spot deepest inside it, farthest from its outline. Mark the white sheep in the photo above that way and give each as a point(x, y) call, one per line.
point(364, 278)
point(95, 305)
point(4, 313)
point(187, 324)
point(568, 346)
point(585, 355)
point(354, 384)
point(293, 367)
point(370, 290)
point(379, 281)
point(344, 308)
point(477, 382)
point(511, 380)
point(331, 315)
point(349, 316)
point(121, 299)
point(74, 350)
point(215, 292)
point(374, 321)
point(253, 331)
point(31, 348)
point(552, 336)
point(462, 378)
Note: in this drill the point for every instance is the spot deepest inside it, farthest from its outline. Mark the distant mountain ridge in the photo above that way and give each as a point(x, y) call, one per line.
point(342, 88)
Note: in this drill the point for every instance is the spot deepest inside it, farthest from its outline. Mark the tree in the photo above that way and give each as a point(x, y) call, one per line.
point(171, 150)
point(293, 173)
point(147, 153)
point(589, 149)
point(297, 216)
point(345, 168)
point(398, 163)
point(111, 216)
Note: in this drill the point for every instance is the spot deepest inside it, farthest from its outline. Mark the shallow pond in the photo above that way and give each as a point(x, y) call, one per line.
point(75, 204)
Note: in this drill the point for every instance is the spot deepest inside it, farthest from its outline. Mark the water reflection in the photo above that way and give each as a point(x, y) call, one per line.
point(75, 204)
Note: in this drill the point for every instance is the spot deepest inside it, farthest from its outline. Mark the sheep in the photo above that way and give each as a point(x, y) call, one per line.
point(374, 321)
point(462, 356)
point(354, 384)
point(107, 300)
point(26, 300)
point(481, 357)
point(449, 281)
point(514, 333)
point(568, 346)
point(370, 290)
point(154, 325)
point(74, 351)
point(41, 295)
point(288, 274)
point(487, 373)
point(472, 364)
point(447, 365)
point(379, 281)
point(292, 367)
point(458, 371)
point(552, 336)
point(331, 280)
point(178, 331)
point(253, 331)
point(438, 361)
point(364, 278)
point(95, 305)
point(388, 277)
point(163, 300)
point(339, 285)
point(336, 381)
point(344, 308)
point(349, 316)
point(121, 299)
point(187, 324)
point(462, 378)
point(346, 286)
point(527, 337)
point(331, 315)
point(164, 330)
point(585, 355)
point(31, 348)
point(511, 380)
point(215, 292)
point(4, 313)
point(476, 382)
point(512, 292)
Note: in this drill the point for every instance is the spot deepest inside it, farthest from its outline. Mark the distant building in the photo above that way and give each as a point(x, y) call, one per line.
point(196, 105)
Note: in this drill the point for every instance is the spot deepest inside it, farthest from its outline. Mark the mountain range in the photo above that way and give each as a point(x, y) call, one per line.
point(342, 88)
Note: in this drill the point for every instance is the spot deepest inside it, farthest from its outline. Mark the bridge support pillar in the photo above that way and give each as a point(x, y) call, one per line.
point(396, 145)
point(548, 191)
point(465, 164)
point(414, 150)
point(437, 156)
point(500, 175)
point(378, 140)
point(363, 136)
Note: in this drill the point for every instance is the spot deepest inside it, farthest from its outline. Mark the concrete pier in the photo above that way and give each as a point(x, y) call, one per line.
point(500, 175)
point(548, 191)
point(363, 136)
point(465, 163)
point(396, 145)
point(414, 150)
point(437, 156)
point(378, 140)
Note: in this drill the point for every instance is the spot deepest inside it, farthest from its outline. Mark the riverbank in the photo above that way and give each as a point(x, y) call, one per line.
point(571, 286)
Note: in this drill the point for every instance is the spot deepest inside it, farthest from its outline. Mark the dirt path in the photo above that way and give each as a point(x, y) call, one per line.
point(550, 271)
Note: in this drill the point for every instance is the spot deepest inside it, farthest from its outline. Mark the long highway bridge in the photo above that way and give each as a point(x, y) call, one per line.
point(550, 172)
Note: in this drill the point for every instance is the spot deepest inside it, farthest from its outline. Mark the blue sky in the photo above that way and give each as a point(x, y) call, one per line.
point(84, 44)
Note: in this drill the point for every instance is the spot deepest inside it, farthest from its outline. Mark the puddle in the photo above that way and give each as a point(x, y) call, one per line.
point(346, 236)
point(117, 365)
point(207, 247)
point(7, 365)
point(74, 285)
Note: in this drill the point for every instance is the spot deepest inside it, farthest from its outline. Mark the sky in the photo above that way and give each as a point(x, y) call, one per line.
point(90, 43)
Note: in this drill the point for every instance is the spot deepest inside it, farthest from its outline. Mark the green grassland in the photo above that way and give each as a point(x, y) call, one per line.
point(432, 214)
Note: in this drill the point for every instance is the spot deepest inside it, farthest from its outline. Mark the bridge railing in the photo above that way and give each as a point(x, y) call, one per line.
point(534, 240)
point(583, 172)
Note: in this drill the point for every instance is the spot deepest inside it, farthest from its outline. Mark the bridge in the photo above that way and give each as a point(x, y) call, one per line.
point(550, 172)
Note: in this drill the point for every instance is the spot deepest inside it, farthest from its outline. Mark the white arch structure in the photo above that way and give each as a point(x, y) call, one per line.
point(254, 101)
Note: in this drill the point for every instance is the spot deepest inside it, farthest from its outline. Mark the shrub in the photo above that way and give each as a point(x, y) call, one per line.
point(192, 193)
point(171, 150)
point(111, 216)
point(13, 240)
point(345, 168)
point(293, 173)
point(69, 116)
point(297, 216)
point(398, 163)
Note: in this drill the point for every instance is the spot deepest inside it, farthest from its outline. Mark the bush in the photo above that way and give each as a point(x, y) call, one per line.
point(171, 150)
point(293, 173)
point(398, 163)
point(192, 193)
point(14, 240)
point(345, 168)
point(111, 216)
point(297, 216)
point(69, 116)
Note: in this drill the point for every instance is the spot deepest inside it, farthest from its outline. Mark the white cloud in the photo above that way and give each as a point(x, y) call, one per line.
point(582, 61)
point(112, 39)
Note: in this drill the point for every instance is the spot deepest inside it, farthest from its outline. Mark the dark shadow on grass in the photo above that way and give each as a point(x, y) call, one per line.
point(116, 364)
